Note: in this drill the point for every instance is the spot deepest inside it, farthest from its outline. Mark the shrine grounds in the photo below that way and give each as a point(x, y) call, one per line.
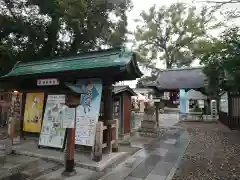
point(211, 153)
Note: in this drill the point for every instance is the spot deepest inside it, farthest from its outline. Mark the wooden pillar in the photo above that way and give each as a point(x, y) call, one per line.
point(108, 113)
point(22, 113)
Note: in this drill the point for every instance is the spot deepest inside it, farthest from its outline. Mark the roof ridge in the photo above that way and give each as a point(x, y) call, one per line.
point(182, 68)
point(87, 55)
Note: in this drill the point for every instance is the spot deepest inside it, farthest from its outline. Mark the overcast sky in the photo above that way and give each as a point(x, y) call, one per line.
point(140, 5)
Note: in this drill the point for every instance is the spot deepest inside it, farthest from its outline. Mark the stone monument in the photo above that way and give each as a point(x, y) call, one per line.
point(149, 126)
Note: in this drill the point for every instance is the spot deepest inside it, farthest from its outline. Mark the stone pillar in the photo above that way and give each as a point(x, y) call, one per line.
point(108, 113)
point(97, 148)
point(157, 113)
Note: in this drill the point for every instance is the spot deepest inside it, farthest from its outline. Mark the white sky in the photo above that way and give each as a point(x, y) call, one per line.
point(140, 5)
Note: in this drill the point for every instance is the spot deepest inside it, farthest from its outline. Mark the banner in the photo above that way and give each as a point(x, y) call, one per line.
point(88, 112)
point(52, 135)
point(33, 112)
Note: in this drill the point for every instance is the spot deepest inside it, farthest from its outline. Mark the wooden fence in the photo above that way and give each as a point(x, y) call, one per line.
point(232, 117)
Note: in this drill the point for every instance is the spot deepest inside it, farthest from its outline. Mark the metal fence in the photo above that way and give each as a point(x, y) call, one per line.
point(232, 118)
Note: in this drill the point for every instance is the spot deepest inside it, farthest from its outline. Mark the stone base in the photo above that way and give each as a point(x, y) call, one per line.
point(81, 159)
point(115, 149)
point(148, 128)
point(69, 174)
point(149, 132)
point(148, 124)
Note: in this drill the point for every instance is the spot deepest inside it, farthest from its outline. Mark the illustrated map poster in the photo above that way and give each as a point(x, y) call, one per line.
point(33, 112)
point(52, 135)
point(88, 112)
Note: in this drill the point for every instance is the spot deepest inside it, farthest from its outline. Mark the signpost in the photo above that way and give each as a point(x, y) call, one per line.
point(72, 101)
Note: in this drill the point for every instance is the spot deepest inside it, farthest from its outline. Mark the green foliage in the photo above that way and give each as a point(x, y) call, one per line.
point(223, 7)
point(222, 65)
point(197, 109)
point(38, 29)
point(171, 33)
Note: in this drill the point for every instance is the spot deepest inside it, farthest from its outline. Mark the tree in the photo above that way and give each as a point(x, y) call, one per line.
point(222, 65)
point(229, 13)
point(39, 29)
point(170, 34)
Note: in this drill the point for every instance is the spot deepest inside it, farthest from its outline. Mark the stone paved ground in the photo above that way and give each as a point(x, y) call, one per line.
point(19, 167)
point(3, 133)
point(213, 153)
point(154, 162)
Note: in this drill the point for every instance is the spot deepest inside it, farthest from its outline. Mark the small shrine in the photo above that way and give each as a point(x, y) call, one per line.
point(43, 89)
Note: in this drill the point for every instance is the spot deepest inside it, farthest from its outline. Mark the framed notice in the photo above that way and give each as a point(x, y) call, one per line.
point(224, 103)
point(69, 117)
point(33, 112)
point(88, 112)
point(52, 134)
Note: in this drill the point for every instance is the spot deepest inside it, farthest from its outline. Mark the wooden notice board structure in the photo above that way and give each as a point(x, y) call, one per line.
point(122, 108)
point(50, 77)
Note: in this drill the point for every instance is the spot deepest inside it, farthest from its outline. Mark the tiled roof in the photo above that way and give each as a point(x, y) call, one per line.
point(181, 78)
point(121, 59)
point(119, 89)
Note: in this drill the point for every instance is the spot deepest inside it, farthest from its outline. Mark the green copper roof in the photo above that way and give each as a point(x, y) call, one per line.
point(92, 60)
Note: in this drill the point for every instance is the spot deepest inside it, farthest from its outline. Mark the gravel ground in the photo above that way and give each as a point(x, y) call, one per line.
point(213, 153)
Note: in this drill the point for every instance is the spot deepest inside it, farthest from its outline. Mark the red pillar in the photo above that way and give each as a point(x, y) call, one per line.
point(69, 166)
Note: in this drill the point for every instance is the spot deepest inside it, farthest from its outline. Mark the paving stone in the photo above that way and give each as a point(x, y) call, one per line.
point(170, 141)
point(146, 167)
point(155, 177)
point(133, 162)
point(119, 174)
point(163, 168)
point(181, 143)
point(172, 156)
point(40, 167)
point(132, 178)
point(143, 154)
point(160, 151)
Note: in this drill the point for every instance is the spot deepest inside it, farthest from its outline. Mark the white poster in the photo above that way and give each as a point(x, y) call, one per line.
point(52, 135)
point(88, 111)
point(201, 103)
point(224, 103)
point(69, 118)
